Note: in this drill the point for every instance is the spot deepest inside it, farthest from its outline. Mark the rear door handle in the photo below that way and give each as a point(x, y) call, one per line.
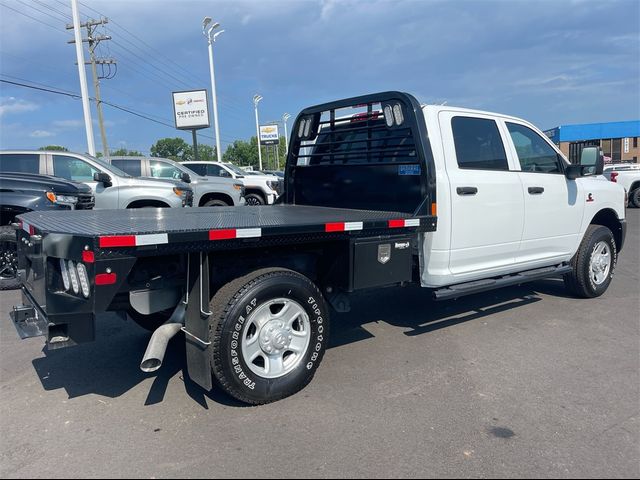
point(467, 190)
point(536, 190)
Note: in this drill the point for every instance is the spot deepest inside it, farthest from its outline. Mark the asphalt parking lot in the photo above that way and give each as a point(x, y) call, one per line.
point(519, 382)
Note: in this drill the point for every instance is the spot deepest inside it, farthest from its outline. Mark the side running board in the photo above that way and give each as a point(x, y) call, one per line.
point(469, 288)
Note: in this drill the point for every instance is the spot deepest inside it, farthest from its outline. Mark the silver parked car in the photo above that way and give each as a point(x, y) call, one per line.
point(207, 191)
point(112, 187)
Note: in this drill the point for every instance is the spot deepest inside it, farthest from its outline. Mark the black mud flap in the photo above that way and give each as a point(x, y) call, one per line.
point(196, 329)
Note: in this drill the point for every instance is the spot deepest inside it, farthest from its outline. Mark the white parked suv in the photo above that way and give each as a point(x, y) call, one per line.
point(207, 191)
point(259, 189)
point(627, 175)
point(112, 187)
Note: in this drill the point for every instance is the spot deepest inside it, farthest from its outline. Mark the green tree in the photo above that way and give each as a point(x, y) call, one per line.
point(242, 153)
point(57, 148)
point(173, 148)
point(123, 152)
point(206, 153)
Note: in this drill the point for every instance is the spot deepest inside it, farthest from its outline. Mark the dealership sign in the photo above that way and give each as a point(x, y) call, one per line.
point(269, 135)
point(191, 109)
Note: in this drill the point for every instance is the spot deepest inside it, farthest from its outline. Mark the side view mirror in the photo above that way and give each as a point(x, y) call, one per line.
point(591, 163)
point(185, 177)
point(102, 177)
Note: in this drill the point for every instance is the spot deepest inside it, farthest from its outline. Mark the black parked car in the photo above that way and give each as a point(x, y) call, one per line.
point(25, 192)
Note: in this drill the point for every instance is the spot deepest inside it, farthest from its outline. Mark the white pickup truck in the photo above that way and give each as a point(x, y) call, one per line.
point(626, 175)
point(379, 191)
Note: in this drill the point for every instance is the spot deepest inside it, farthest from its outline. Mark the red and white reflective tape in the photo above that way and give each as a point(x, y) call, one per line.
point(232, 233)
point(133, 240)
point(28, 228)
point(343, 226)
point(403, 223)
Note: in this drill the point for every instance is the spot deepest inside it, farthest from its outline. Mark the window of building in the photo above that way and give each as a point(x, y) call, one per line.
point(635, 142)
point(616, 150)
point(478, 144)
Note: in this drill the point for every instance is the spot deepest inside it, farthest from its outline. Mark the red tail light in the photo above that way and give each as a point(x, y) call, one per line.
point(106, 279)
point(614, 177)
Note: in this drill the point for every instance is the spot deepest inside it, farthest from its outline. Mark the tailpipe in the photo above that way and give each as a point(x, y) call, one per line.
point(154, 355)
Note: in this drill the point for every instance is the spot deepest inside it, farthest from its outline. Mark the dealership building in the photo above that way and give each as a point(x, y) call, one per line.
point(618, 140)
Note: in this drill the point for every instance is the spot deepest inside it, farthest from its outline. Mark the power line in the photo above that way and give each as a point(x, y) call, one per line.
point(57, 29)
point(57, 91)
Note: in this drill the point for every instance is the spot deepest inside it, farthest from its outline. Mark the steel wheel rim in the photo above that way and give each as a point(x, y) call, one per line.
point(600, 263)
point(276, 338)
point(8, 261)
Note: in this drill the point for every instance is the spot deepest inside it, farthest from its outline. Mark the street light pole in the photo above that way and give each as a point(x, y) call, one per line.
point(285, 118)
point(86, 108)
point(256, 100)
point(211, 39)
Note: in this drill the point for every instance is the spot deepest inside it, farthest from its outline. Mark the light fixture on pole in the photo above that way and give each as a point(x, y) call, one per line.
point(286, 117)
point(208, 26)
point(256, 100)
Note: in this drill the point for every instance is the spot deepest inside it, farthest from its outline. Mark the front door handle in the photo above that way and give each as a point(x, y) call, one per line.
point(467, 190)
point(536, 190)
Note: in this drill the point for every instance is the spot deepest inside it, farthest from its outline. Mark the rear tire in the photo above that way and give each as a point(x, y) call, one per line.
point(634, 198)
point(269, 331)
point(9, 279)
point(254, 200)
point(593, 264)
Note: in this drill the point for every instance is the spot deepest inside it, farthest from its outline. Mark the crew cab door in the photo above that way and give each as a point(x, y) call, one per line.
point(552, 211)
point(487, 204)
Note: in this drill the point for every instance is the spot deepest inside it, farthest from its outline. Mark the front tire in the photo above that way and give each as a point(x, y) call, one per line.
point(593, 264)
point(216, 203)
point(253, 200)
point(269, 331)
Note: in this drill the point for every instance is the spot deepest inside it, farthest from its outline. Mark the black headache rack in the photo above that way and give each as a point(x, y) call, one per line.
point(371, 151)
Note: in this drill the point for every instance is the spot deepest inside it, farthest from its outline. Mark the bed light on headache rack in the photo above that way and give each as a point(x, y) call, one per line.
point(84, 279)
point(388, 115)
point(397, 114)
point(65, 275)
point(307, 128)
point(73, 275)
point(301, 127)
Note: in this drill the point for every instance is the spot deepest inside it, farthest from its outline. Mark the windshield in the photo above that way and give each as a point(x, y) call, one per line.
point(109, 167)
point(234, 169)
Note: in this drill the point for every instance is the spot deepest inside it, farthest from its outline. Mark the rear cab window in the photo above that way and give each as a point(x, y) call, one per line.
point(197, 168)
point(478, 144)
point(20, 162)
point(132, 167)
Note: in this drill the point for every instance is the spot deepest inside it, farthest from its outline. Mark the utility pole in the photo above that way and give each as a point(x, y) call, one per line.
point(86, 108)
point(93, 41)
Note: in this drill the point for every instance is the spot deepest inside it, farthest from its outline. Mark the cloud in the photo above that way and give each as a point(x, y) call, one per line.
point(12, 105)
point(41, 134)
point(68, 123)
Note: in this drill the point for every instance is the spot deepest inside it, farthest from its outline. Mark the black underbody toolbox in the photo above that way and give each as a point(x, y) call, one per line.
point(378, 262)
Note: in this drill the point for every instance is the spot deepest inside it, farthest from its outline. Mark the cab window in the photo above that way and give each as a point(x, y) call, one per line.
point(132, 167)
point(164, 170)
point(478, 144)
point(72, 168)
point(20, 162)
point(534, 153)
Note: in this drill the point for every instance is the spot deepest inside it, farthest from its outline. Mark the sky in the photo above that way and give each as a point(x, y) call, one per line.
point(550, 62)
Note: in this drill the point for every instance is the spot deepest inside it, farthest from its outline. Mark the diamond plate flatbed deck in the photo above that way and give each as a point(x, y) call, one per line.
point(110, 229)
